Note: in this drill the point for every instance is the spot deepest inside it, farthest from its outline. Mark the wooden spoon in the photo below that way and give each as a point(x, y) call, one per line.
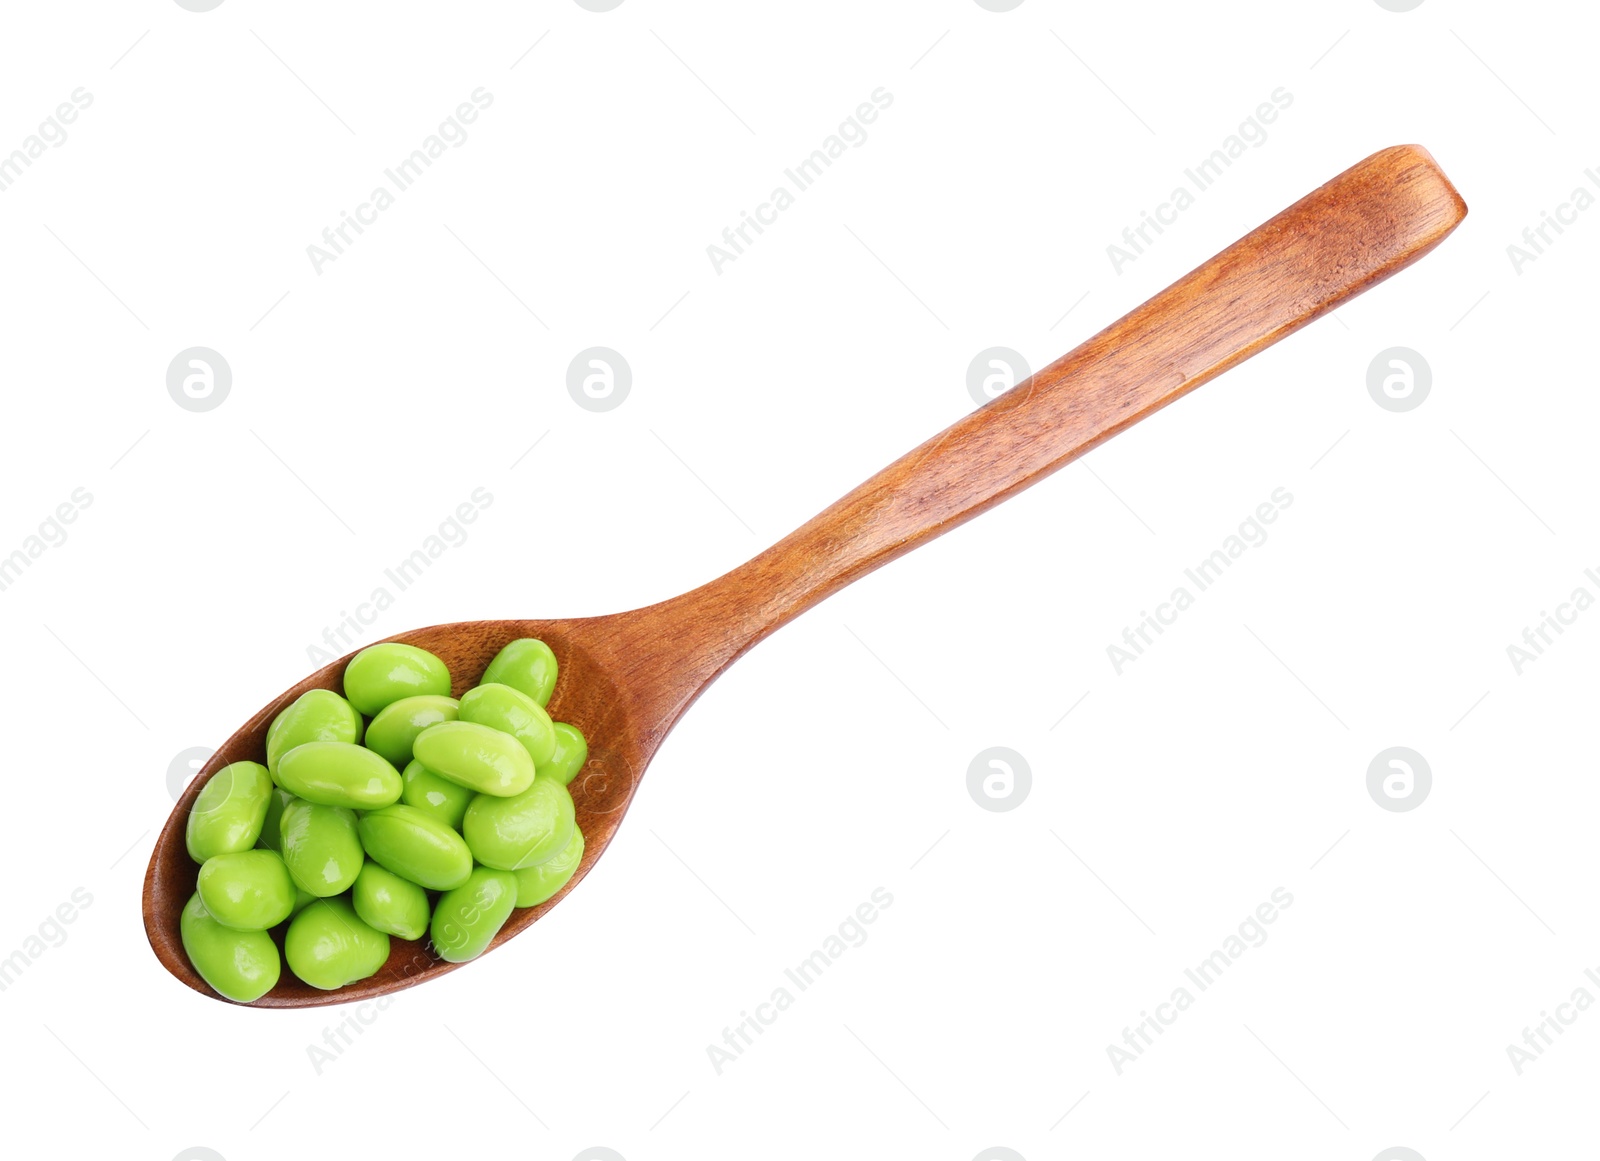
point(627, 678)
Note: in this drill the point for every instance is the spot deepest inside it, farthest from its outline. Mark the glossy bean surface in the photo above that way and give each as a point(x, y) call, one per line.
point(246, 890)
point(477, 757)
point(571, 752)
point(329, 945)
point(393, 731)
point(229, 811)
point(317, 715)
point(466, 920)
point(539, 884)
point(382, 674)
point(415, 845)
point(390, 904)
point(321, 847)
point(445, 800)
point(271, 836)
point(512, 833)
point(511, 712)
point(526, 664)
point(339, 774)
point(241, 965)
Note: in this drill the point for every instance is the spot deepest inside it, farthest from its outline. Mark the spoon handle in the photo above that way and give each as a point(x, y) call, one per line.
point(1372, 220)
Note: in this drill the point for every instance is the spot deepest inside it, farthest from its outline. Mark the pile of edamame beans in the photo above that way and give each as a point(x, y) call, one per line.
point(393, 810)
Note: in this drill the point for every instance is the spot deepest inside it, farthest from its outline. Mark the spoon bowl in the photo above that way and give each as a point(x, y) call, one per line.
point(621, 744)
point(626, 679)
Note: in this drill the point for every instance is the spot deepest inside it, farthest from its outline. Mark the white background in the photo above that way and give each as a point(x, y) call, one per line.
point(1229, 761)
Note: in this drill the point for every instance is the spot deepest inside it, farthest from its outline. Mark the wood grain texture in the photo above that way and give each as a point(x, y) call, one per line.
point(627, 678)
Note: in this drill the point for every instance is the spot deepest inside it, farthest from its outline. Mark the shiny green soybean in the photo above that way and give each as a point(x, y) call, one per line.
point(571, 752)
point(536, 885)
point(228, 812)
point(302, 897)
point(321, 847)
point(527, 664)
point(329, 945)
point(383, 674)
point(271, 837)
point(339, 774)
point(247, 890)
point(390, 904)
point(397, 725)
point(241, 965)
point(468, 918)
point(417, 846)
point(477, 757)
point(512, 833)
point(512, 712)
point(317, 715)
point(428, 792)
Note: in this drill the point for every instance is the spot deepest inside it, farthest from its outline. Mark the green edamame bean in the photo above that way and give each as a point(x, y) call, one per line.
point(321, 847)
point(301, 898)
point(477, 757)
point(228, 812)
point(571, 752)
point(528, 665)
point(415, 845)
point(382, 674)
point(390, 904)
point(241, 965)
point(339, 774)
point(467, 919)
point(445, 800)
point(329, 945)
point(271, 837)
point(317, 715)
point(511, 833)
point(397, 725)
point(511, 712)
point(537, 885)
point(246, 890)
